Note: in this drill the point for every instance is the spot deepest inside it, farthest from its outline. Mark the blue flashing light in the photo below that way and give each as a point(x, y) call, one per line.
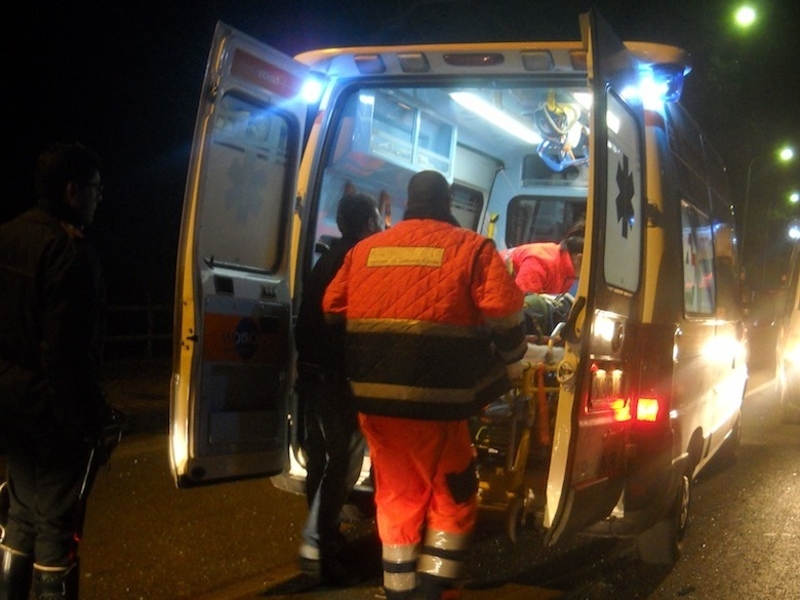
point(312, 89)
point(671, 76)
point(659, 84)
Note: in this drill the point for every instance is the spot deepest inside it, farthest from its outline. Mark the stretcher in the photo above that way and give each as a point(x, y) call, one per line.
point(513, 438)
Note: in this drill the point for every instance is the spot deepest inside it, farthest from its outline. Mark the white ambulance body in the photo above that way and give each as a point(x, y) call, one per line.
point(534, 136)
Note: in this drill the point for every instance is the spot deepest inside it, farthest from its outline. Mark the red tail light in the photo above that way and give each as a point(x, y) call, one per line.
point(622, 409)
point(647, 410)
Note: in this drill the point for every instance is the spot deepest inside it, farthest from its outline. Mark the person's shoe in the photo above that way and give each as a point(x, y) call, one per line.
point(309, 561)
point(335, 573)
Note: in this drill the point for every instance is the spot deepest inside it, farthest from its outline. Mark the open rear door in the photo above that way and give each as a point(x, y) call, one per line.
point(587, 469)
point(231, 362)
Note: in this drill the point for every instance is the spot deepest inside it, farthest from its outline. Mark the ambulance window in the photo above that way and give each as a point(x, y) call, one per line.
point(725, 273)
point(698, 261)
point(467, 205)
point(542, 218)
point(689, 158)
point(245, 192)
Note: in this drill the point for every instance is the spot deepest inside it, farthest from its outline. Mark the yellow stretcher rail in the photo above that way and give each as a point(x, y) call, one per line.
point(510, 489)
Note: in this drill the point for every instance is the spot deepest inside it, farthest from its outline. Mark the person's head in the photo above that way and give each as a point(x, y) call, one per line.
point(429, 197)
point(574, 245)
point(67, 181)
point(357, 216)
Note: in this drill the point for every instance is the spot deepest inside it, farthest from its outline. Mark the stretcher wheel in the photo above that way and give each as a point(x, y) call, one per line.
point(516, 517)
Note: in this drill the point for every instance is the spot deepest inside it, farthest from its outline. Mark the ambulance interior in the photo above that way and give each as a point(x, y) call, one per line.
point(517, 157)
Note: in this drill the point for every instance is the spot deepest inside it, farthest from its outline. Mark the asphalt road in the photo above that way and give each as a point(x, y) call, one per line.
point(147, 540)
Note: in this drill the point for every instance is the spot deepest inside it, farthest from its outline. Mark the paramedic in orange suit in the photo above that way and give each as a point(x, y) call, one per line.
point(546, 267)
point(432, 317)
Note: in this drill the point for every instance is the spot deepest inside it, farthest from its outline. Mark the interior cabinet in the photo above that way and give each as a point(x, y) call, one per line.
point(392, 128)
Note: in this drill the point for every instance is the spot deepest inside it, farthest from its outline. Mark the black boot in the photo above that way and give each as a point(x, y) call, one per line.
point(438, 588)
point(15, 574)
point(59, 584)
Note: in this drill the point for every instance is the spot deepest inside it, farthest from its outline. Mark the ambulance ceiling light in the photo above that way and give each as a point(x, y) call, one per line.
point(496, 117)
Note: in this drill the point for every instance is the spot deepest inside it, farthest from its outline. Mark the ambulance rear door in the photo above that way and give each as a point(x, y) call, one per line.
point(586, 477)
point(231, 361)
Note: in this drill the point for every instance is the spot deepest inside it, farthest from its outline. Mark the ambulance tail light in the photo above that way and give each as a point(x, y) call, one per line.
point(608, 391)
point(647, 410)
point(622, 409)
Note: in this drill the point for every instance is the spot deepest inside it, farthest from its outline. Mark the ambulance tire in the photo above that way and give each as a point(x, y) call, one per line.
point(661, 544)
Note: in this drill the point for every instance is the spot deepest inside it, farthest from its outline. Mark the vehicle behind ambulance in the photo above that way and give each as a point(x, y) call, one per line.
point(614, 413)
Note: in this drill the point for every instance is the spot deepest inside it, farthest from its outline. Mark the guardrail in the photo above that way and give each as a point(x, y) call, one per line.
point(133, 329)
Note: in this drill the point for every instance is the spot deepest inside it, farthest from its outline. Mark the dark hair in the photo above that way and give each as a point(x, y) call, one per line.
point(354, 211)
point(429, 197)
point(59, 164)
point(572, 241)
point(573, 244)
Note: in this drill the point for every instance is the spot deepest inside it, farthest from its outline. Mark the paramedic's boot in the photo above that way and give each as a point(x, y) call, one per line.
point(437, 588)
point(16, 570)
point(56, 583)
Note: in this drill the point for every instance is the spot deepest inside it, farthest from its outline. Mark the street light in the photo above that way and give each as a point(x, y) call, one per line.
point(785, 154)
point(745, 16)
point(793, 231)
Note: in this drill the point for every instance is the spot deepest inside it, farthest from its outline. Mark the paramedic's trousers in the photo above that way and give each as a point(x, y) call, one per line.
point(425, 480)
point(335, 450)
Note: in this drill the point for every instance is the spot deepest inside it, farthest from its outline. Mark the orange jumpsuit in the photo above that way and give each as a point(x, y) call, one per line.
point(432, 315)
point(541, 268)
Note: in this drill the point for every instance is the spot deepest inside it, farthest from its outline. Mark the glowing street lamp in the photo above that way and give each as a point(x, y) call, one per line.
point(793, 230)
point(745, 16)
point(785, 154)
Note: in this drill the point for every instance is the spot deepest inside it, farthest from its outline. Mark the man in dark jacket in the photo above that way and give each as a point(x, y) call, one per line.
point(333, 441)
point(51, 407)
point(432, 315)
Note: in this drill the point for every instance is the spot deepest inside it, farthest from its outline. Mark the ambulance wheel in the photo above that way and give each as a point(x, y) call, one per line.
point(660, 545)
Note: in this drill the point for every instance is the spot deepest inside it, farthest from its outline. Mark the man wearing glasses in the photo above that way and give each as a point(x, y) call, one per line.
point(52, 411)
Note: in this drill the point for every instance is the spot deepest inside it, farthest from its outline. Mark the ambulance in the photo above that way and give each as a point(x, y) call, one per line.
point(641, 382)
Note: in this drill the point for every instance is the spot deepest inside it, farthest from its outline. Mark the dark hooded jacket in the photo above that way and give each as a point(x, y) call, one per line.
point(52, 310)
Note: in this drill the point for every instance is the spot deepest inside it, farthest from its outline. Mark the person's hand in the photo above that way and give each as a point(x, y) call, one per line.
point(516, 370)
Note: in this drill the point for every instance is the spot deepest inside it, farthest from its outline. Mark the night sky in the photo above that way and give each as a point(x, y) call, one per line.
point(125, 78)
